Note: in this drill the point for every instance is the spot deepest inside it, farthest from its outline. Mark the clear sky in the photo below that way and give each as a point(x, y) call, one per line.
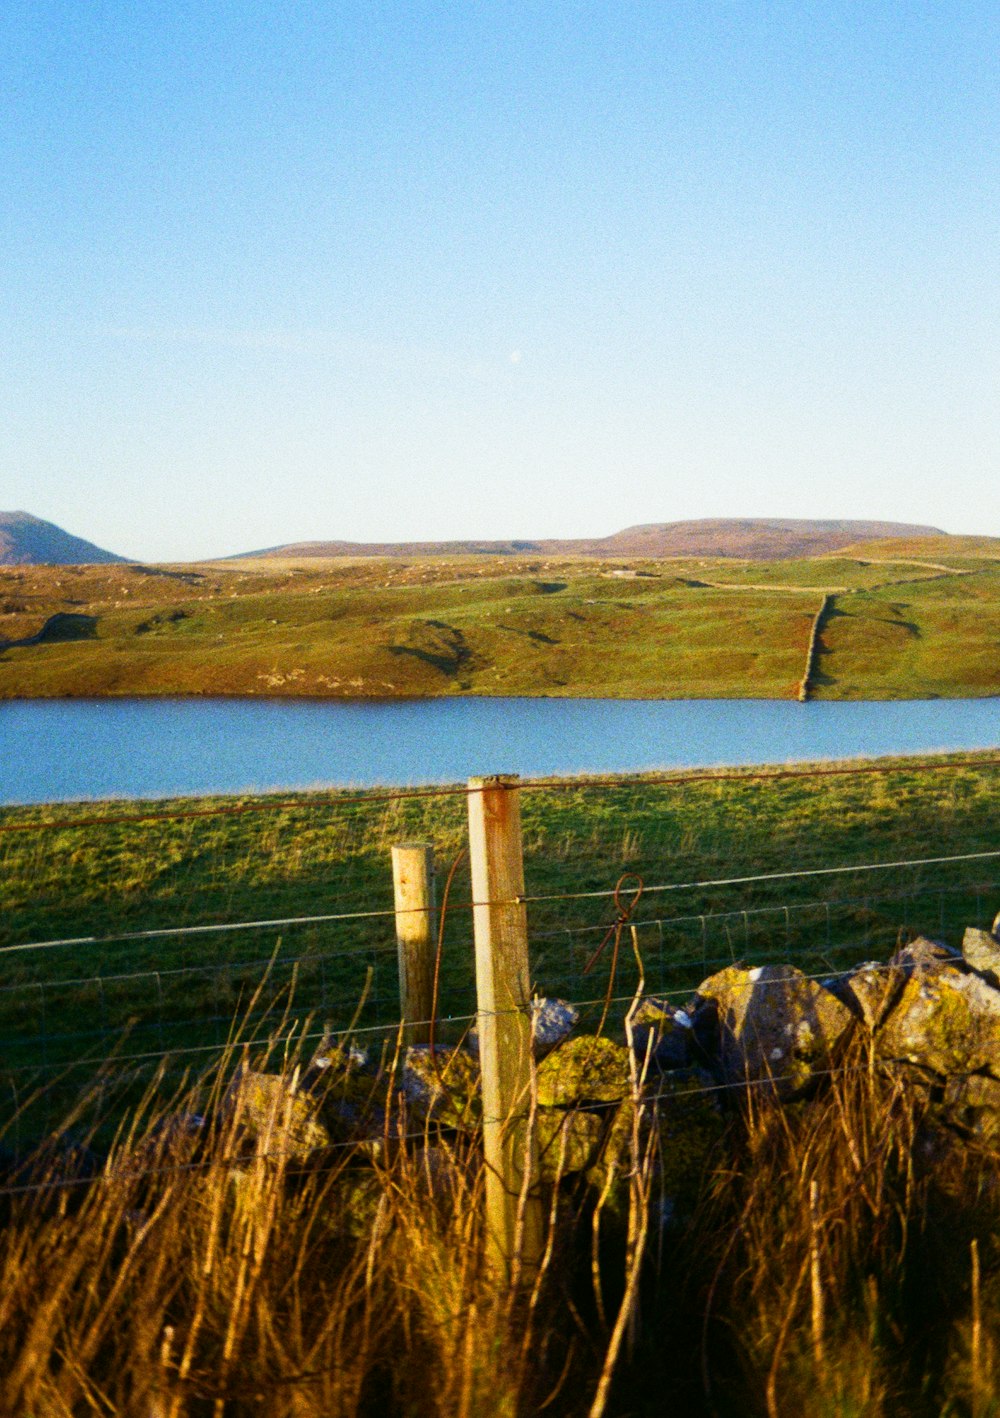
point(273, 272)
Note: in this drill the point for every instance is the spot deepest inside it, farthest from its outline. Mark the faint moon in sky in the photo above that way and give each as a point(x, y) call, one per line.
point(515, 356)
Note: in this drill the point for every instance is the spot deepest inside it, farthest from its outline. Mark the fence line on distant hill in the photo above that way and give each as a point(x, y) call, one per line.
point(812, 650)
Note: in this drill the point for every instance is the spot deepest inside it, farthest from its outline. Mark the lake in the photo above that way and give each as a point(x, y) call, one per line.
point(63, 750)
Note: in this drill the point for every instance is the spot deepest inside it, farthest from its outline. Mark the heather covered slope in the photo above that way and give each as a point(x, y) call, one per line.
point(30, 541)
point(894, 627)
point(757, 538)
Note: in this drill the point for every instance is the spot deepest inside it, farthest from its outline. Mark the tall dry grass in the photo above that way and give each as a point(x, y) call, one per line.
point(198, 1269)
point(841, 1259)
point(841, 1267)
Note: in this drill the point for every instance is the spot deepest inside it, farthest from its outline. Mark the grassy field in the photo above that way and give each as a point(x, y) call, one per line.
point(833, 1257)
point(902, 624)
point(63, 877)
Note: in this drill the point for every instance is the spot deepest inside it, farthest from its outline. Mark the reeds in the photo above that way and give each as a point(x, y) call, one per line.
point(840, 1232)
point(840, 1260)
point(202, 1270)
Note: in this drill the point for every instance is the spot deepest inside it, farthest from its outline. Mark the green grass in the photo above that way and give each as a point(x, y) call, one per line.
point(685, 629)
point(324, 854)
point(924, 639)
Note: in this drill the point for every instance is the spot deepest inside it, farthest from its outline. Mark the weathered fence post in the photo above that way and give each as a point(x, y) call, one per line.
point(503, 991)
point(413, 888)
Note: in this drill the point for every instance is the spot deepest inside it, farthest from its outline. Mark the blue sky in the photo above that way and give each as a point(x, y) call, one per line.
point(387, 271)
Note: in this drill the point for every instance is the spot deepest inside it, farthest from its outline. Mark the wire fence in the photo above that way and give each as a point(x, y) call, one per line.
point(169, 1005)
point(125, 1172)
point(139, 936)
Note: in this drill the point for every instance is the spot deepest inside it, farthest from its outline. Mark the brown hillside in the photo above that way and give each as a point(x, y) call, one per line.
point(758, 539)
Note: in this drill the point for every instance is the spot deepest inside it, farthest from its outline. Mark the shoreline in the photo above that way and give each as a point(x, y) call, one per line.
point(203, 696)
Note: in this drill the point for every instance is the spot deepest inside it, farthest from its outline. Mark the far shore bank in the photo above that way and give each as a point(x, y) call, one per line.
point(61, 750)
point(831, 628)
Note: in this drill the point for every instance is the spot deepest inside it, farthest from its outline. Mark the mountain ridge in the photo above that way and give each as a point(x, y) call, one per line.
point(750, 538)
point(26, 540)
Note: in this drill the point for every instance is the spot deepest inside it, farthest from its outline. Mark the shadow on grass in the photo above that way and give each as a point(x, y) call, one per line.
point(60, 628)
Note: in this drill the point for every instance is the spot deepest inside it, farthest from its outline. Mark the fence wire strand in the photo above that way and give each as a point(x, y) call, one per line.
point(386, 913)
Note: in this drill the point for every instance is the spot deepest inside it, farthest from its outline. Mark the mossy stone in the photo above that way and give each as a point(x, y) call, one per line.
point(609, 1177)
point(568, 1141)
point(945, 1021)
point(443, 1086)
point(776, 1027)
point(661, 1033)
point(981, 950)
point(281, 1121)
point(869, 990)
point(690, 1125)
point(973, 1102)
point(587, 1069)
point(358, 1197)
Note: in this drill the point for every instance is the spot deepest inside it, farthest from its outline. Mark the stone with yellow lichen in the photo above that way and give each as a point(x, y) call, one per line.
point(661, 1033)
point(981, 950)
point(568, 1141)
point(946, 1021)
point(869, 990)
point(610, 1176)
point(776, 1028)
point(973, 1102)
point(442, 1085)
point(281, 1120)
point(588, 1069)
point(689, 1123)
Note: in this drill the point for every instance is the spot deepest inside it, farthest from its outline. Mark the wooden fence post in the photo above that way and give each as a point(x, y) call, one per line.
point(413, 889)
point(513, 1206)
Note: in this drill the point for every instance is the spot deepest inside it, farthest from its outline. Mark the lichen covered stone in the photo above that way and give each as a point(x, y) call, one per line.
point(869, 990)
point(689, 1123)
point(281, 1120)
point(775, 1026)
point(568, 1141)
point(981, 950)
point(973, 1102)
point(946, 1021)
point(360, 1199)
point(443, 1086)
point(661, 1033)
point(552, 1021)
point(924, 954)
point(609, 1179)
point(588, 1069)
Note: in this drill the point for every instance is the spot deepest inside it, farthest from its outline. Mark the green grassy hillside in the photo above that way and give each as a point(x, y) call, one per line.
point(901, 626)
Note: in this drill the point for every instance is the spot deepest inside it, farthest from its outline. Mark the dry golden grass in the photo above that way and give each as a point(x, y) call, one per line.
point(841, 1260)
point(196, 1270)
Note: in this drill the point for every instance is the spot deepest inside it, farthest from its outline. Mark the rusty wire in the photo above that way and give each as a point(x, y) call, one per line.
point(614, 932)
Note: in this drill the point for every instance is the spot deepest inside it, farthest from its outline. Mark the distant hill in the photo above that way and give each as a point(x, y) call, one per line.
point(928, 547)
point(754, 538)
point(28, 541)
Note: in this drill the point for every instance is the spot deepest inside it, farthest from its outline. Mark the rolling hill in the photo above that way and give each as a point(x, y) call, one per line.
point(29, 541)
point(754, 538)
point(880, 625)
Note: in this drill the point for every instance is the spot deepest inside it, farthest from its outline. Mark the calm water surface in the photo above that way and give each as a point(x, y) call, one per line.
point(52, 751)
